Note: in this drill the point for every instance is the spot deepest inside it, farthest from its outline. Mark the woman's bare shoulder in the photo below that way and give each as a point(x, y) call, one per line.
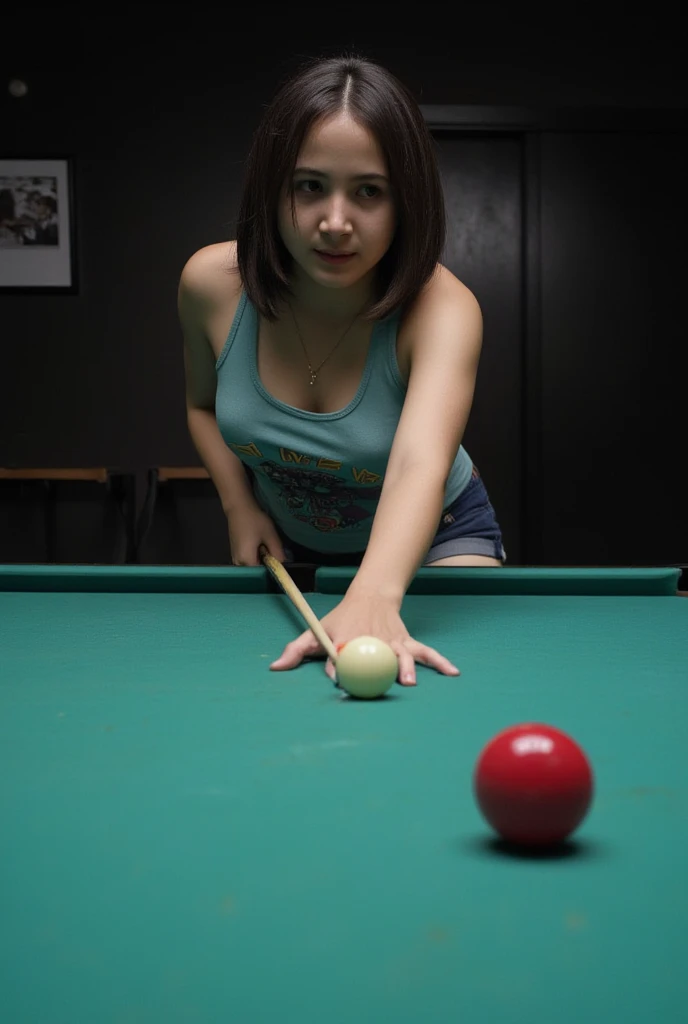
point(443, 300)
point(211, 274)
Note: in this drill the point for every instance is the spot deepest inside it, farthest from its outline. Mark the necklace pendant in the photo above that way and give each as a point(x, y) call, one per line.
point(314, 377)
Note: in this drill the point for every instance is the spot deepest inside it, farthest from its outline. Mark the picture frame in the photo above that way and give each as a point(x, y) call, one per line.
point(37, 225)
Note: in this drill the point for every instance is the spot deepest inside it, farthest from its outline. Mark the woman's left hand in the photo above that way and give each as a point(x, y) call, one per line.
point(354, 617)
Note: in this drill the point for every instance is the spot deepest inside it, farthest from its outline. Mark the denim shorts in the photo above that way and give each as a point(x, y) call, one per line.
point(467, 527)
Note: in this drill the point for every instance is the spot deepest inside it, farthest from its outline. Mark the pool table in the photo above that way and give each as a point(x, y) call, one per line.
point(189, 837)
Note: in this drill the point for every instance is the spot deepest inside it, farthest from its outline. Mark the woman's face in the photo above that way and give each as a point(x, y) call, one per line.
point(343, 204)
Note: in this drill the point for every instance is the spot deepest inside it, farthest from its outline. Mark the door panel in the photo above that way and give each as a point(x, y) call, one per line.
point(481, 176)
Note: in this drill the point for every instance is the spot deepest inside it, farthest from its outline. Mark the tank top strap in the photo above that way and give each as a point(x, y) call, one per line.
point(384, 364)
point(246, 315)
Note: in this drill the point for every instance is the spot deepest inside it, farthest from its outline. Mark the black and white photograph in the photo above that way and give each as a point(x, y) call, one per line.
point(36, 225)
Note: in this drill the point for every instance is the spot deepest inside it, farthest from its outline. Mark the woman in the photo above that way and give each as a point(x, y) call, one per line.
point(331, 359)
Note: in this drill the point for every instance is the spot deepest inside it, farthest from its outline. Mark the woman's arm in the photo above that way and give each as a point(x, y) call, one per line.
point(445, 340)
point(196, 302)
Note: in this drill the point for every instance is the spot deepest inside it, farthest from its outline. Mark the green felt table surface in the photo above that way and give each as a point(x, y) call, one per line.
point(186, 836)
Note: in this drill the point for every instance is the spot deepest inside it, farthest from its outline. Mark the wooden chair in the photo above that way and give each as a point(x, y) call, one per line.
point(120, 486)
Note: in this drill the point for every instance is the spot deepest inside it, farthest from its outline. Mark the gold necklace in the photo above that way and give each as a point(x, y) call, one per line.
point(314, 372)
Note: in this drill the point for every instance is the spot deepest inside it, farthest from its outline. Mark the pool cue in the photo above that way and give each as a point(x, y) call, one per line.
point(299, 601)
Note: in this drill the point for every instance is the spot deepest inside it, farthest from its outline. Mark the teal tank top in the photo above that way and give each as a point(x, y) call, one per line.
point(317, 475)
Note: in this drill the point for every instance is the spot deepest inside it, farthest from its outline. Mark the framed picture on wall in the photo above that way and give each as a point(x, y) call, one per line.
point(37, 236)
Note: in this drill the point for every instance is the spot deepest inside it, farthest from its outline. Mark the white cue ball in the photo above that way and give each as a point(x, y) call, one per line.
point(366, 667)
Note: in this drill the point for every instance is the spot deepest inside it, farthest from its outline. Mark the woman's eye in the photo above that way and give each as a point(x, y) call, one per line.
point(304, 186)
point(311, 187)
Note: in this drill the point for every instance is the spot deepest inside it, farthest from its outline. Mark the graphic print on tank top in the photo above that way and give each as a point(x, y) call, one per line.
point(320, 496)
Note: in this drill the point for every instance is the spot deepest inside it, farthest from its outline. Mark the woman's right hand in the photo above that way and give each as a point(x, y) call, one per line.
point(248, 529)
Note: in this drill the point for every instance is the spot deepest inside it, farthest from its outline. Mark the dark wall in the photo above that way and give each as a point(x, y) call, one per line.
point(157, 120)
point(613, 357)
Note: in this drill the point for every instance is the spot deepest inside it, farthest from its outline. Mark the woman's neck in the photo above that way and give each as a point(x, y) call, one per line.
point(331, 307)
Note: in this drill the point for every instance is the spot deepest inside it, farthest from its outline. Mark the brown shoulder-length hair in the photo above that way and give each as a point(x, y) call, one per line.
point(382, 104)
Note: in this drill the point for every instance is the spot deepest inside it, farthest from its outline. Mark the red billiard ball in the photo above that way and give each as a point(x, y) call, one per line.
point(533, 784)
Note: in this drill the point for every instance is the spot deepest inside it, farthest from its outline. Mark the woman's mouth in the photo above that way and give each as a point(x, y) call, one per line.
point(335, 258)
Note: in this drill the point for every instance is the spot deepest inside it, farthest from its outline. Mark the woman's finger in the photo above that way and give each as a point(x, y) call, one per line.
point(407, 665)
point(305, 646)
point(433, 659)
point(274, 545)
